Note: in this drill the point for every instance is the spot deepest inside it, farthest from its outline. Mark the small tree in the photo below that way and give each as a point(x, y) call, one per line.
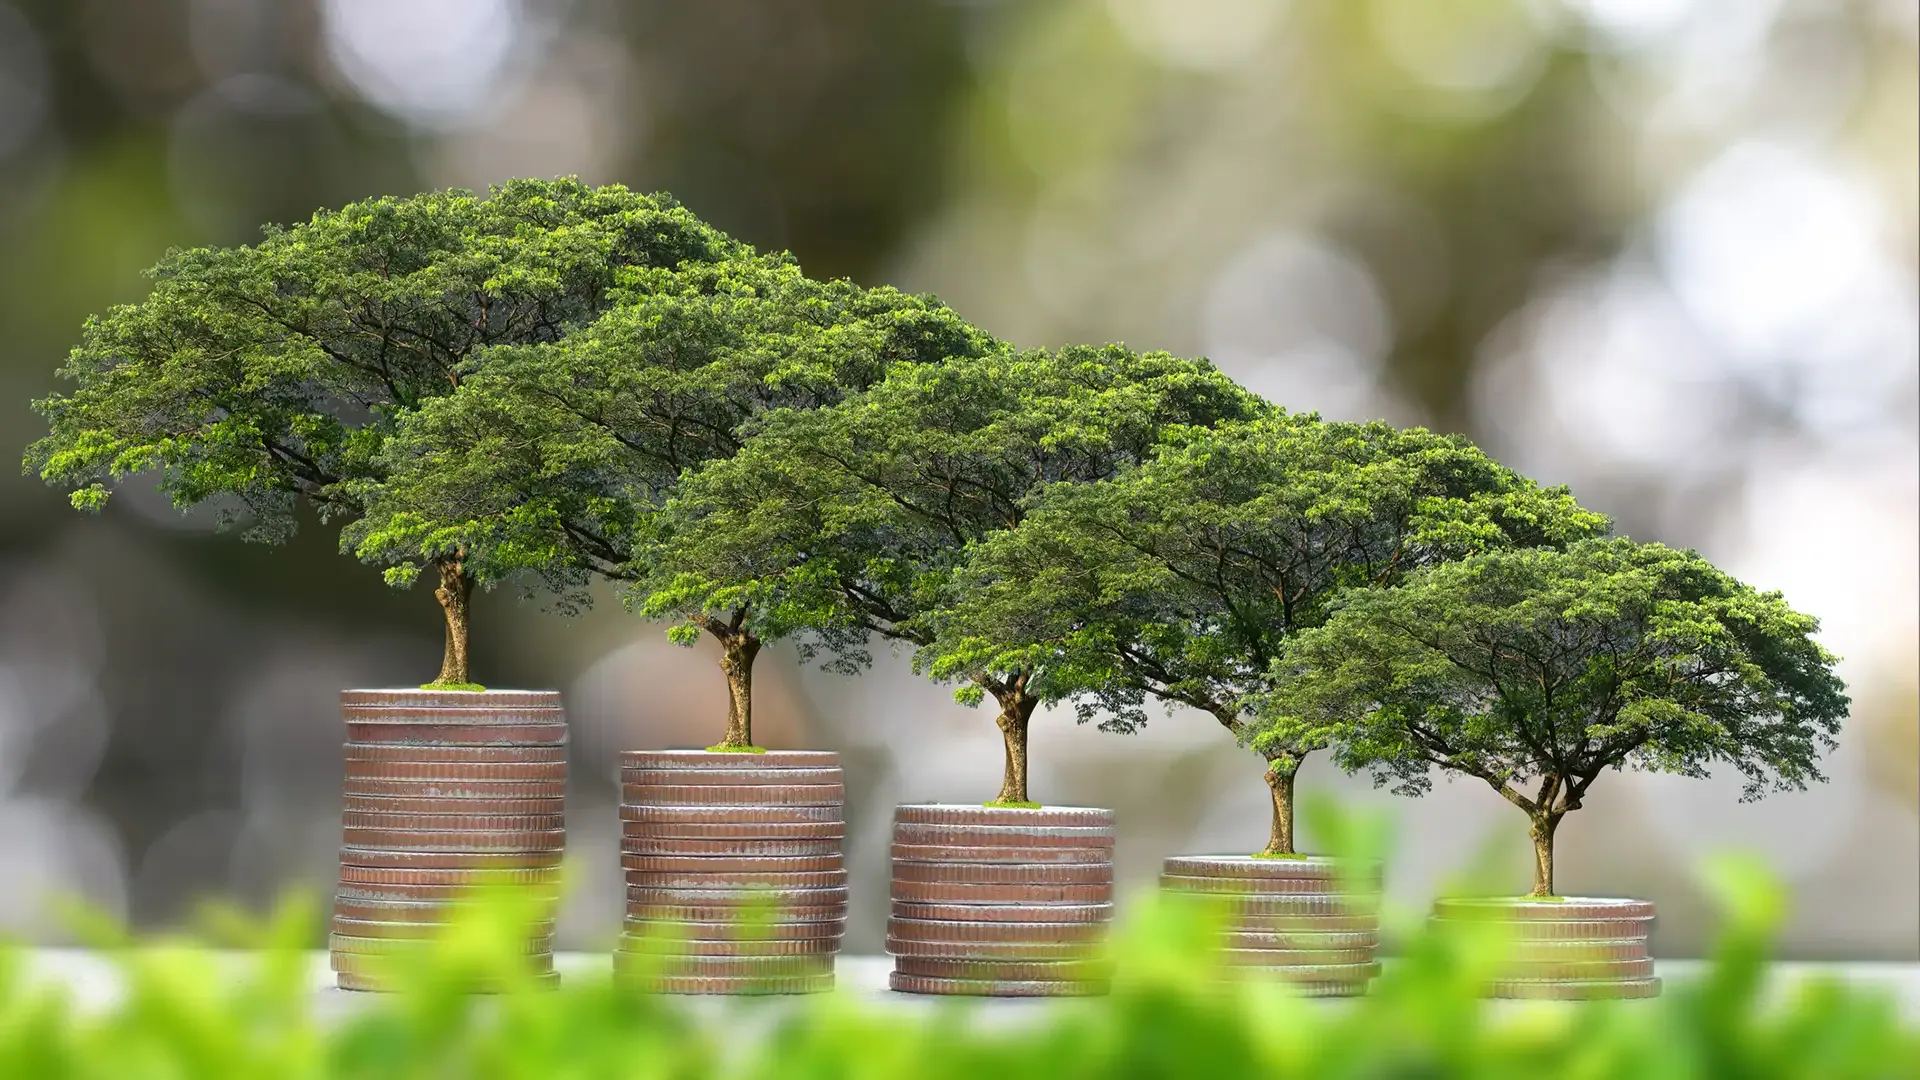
point(272, 374)
point(860, 514)
point(1536, 670)
point(552, 458)
point(1182, 579)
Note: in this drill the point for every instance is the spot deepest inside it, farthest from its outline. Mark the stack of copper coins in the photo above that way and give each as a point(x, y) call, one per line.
point(735, 879)
point(1000, 902)
point(444, 789)
point(1295, 919)
point(1575, 949)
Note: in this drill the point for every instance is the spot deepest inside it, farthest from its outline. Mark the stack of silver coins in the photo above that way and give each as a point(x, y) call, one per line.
point(1572, 948)
point(444, 789)
point(1000, 901)
point(736, 883)
point(1297, 919)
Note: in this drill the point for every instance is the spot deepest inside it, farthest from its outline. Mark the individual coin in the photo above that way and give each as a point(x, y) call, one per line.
point(734, 928)
point(456, 789)
point(1576, 970)
point(746, 915)
point(545, 980)
point(1277, 905)
point(833, 795)
point(464, 771)
point(387, 858)
point(1032, 914)
point(1043, 817)
point(941, 892)
point(1326, 973)
point(730, 815)
point(1250, 866)
point(443, 840)
point(377, 804)
point(344, 943)
point(1528, 930)
point(920, 984)
point(398, 752)
point(1302, 958)
point(704, 967)
point(416, 911)
point(1301, 941)
point(1100, 873)
point(1004, 970)
point(726, 864)
point(1296, 922)
point(992, 950)
point(1573, 990)
point(970, 855)
point(438, 893)
point(958, 931)
point(442, 716)
point(747, 879)
point(368, 928)
point(669, 984)
point(743, 896)
point(645, 845)
point(367, 875)
point(459, 734)
point(1002, 836)
point(670, 946)
point(1250, 886)
point(1515, 909)
point(453, 699)
point(455, 822)
point(378, 964)
point(651, 778)
point(720, 830)
point(1577, 949)
point(708, 759)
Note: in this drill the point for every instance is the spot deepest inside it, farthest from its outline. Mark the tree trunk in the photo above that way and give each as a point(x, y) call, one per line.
point(1280, 773)
point(736, 662)
point(1016, 709)
point(1544, 823)
point(454, 594)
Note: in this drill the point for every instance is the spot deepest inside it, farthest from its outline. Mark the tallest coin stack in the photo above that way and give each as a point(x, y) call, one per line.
point(443, 788)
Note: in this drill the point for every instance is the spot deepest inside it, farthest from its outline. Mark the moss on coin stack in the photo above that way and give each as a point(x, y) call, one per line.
point(1001, 902)
point(1297, 919)
point(444, 789)
point(1572, 949)
point(735, 879)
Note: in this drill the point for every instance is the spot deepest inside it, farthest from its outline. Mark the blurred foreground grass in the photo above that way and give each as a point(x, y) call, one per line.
point(185, 1015)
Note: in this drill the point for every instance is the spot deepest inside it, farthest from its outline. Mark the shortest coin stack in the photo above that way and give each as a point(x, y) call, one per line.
point(1572, 949)
point(1000, 902)
point(1294, 919)
point(444, 789)
point(735, 879)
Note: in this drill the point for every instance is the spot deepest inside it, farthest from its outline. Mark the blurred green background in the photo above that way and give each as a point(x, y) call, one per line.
point(1661, 250)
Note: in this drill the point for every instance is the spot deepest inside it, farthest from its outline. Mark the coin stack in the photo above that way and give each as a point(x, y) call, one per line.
point(444, 788)
point(1572, 949)
point(735, 879)
point(1000, 902)
point(1293, 919)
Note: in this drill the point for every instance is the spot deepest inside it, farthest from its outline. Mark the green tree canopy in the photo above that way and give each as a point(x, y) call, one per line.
point(257, 377)
point(861, 513)
point(552, 458)
point(1537, 670)
point(1181, 579)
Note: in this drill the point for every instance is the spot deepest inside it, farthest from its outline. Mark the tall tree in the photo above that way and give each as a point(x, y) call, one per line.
point(861, 513)
point(552, 458)
point(260, 376)
point(1535, 671)
point(1180, 579)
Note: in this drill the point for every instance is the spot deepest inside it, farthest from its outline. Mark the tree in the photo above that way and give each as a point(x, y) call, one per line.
point(259, 377)
point(1536, 670)
point(860, 514)
point(553, 457)
point(1182, 578)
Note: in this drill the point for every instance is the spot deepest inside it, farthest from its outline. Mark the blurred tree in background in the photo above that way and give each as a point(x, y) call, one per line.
point(1660, 250)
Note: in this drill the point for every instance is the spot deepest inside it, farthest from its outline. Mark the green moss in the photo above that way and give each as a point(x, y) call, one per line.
point(1277, 855)
point(723, 748)
point(999, 805)
point(467, 687)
